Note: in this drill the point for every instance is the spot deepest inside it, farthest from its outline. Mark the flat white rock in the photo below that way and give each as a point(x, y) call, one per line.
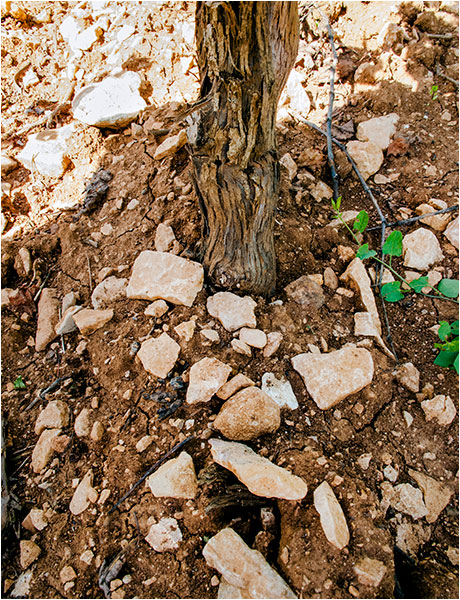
point(164, 535)
point(48, 317)
point(158, 355)
point(171, 145)
point(54, 416)
point(176, 478)
point(159, 275)
point(356, 276)
point(451, 232)
point(44, 450)
point(108, 291)
point(408, 499)
point(83, 495)
point(435, 495)
point(244, 568)
point(331, 515)
point(47, 151)
point(331, 377)
point(259, 475)
point(113, 102)
point(88, 321)
point(232, 386)
point(253, 337)
point(232, 311)
point(367, 156)
point(206, 377)
point(379, 130)
point(441, 408)
point(280, 390)
point(67, 322)
point(421, 249)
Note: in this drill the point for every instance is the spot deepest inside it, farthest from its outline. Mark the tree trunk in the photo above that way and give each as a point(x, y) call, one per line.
point(245, 53)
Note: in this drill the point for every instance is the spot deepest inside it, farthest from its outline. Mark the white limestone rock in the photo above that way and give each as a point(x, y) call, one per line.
point(82, 425)
point(232, 311)
point(8, 164)
point(356, 276)
point(108, 291)
point(435, 495)
point(54, 416)
point(160, 275)
point(47, 151)
point(171, 145)
point(44, 450)
point(280, 390)
point(321, 191)
point(165, 535)
point(206, 377)
point(409, 376)
point(29, 552)
point(241, 347)
point(378, 130)
point(441, 408)
point(331, 377)
point(35, 520)
point(164, 238)
point(451, 232)
point(370, 571)
point(421, 249)
point(159, 355)
point(255, 338)
point(84, 495)
point(289, 164)
point(234, 385)
point(274, 339)
point(367, 156)
point(331, 515)
point(88, 321)
point(48, 317)
point(175, 479)
point(113, 102)
point(407, 499)
point(157, 309)
point(67, 322)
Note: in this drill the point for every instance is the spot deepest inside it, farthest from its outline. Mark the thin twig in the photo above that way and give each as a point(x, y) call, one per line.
point(439, 73)
point(440, 36)
point(37, 295)
point(89, 274)
point(414, 219)
point(150, 471)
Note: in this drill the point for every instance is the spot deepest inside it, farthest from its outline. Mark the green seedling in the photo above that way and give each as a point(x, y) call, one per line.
point(448, 349)
point(19, 384)
point(434, 92)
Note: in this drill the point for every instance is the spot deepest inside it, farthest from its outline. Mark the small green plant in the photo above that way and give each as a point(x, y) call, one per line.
point(448, 349)
point(434, 92)
point(19, 384)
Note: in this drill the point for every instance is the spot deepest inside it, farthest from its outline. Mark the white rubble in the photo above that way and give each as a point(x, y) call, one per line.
point(29, 552)
point(436, 495)
point(405, 498)
point(160, 275)
point(164, 238)
point(48, 317)
point(82, 425)
point(47, 151)
point(321, 191)
point(175, 479)
point(241, 347)
point(370, 571)
point(171, 145)
point(421, 249)
point(289, 164)
point(84, 495)
point(356, 276)
point(274, 339)
point(35, 520)
point(280, 390)
point(44, 450)
point(253, 337)
point(108, 291)
point(436, 222)
point(451, 232)
point(157, 309)
point(158, 355)
point(235, 384)
point(409, 376)
point(88, 321)
point(367, 156)
point(54, 416)
point(113, 102)
point(164, 535)
point(293, 97)
point(8, 164)
point(206, 377)
point(67, 323)
point(232, 311)
point(378, 130)
point(331, 515)
point(441, 408)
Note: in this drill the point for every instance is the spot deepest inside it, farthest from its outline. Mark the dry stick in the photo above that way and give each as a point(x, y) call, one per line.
point(414, 219)
point(150, 471)
point(89, 274)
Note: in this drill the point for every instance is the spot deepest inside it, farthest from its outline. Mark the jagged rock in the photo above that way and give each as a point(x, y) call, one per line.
point(83, 495)
point(244, 568)
point(22, 586)
point(259, 475)
point(164, 238)
point(274, 339)
point(235, 384)
point(82, 425)
point(421, 249)
point(67, 574)
point(54, 416)
point(356, 276)
point(379, 130)
point(253, 337)
point(436, 496)
point(436, 222)
point(171, 145)
point(331, 377)
point(241, 347)
point(227, 590)
point(157, 309)
point(35, 520)
point(289, 164)
point(294, 97)
point(164, 535)
point(232, 311)
point(211, 335)
point(165, 276)
point(405, 498)
point(330, 278)
point(108, 291)
point(185, 330)
point(175, 479)
point(367, 156)
point(68, 301)
point(370, 571)
point(408, 376)
point(67, 322)
point(441, 408)
point(29, 553)
point(306, 292)
point(88, 321)
point(44, 450)
point(113, 102)
point(321, 191)
point(247, 415)
point(97, 431)
point(48, 317)
point(206, 377)
point(331, 514)
point(47, 151)
point(158, 355)
point(280, 390)
point(144, 443)
point(451, 232)
point(8, 164)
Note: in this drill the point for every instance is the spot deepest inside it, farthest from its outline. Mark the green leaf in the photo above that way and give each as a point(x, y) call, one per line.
point(449, 287)
point(444, 330)
point(391, 292)
point(418, 284)
point(364, 252)
point(361, 222)
point(393, 244)
point(445, 359)
point(19, 384)
point(456, 364)
point(454, 327)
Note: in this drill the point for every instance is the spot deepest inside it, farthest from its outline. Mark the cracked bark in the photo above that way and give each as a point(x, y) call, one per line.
point(245, 53)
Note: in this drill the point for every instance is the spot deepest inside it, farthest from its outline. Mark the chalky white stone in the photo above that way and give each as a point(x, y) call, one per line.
point(44, 450)
point(164, 535)
point(356, 276)
point(47, 151)
point(331, 515)
point(331, 377)
point(164, 238)
point(171, 145)
point(232, 386)
point(232, 311)
point(435, 495)
point(367, 156)
point(88, 321)
point(206, 377)
point(176, 478)
point(158, 355)
point(83, 495)
point(280, 390)
point(253, 337)
point(53, 416)
point(157, 309)
point(159, 275)
point(379, 130)
point(370, 571)
point(409, 500)
point(451, 232)
point(29, 552)
point(409, 376)
point(48, 317)
point(441, 408)
point(113, 102)
point(108, 291)
point(244, 568)
point(421, 249)
point(259, 475)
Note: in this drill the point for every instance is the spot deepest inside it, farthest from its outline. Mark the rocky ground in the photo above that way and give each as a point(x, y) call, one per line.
point(285, 425)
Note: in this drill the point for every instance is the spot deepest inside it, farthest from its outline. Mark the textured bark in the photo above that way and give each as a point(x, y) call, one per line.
point(245, 53)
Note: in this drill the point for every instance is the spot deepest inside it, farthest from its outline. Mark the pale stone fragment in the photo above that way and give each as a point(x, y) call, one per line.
point(157, 309)
point(83, 495)
point(274, 339)
point(280, 390)
point(232, 311)
point(82, 425)
point(421, 249)
point(259, 475)
point(321, 191)
point(164, 238)
point(67, 322)
point(370, 571)
point(175, 479)
point(253, 337)
point(164, 535)
point(365, 325)
point(227, 590)
point(185, 330)
point(206, 377)
point(407, 499)
point(113, 102)
point(67, 574)
point(247, 415)
point(43, 450)
point(356, 276)
point(379, 130)
point(107, 229)
point(22, 586)
point(367, 156)
point(108, 291)
point(234, 385)
point(144, 443)
point(8, 164)
point(390, 36)
point(451, 232)
point(348, 216)
point(436, 496)
point(306, 292)
point(47, 151)
point(409, 376)
point(171, 145)
point(160, 275)
point(331, 515)
point(289, 164)
point(241, 347)
point(452, 555)
point(97, 431)
point(88, 320)
point(53, 416)
point(330, 278)
point(35, 520)
point(48, 317)
point(441, 408)
point(244, 568)
point(158, 355)
point(211, 335)
point(331, 377)
point(29, 552)
point(436, 222)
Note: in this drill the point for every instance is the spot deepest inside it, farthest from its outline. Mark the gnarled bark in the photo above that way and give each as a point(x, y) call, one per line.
point(245, 53)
